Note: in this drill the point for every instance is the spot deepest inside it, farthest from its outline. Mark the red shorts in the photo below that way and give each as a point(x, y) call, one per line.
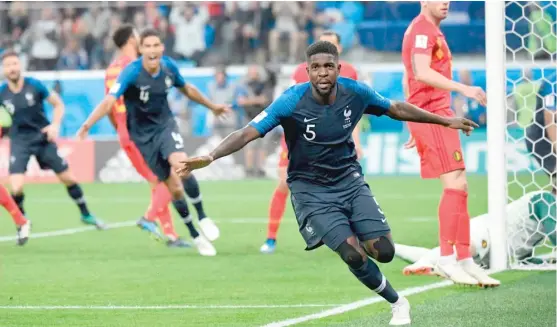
point(438, 146)
point(138, 162)
point(283, 160)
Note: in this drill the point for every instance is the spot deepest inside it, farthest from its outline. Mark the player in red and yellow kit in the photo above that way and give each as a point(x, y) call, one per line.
point(278, 201)
point(23, 225)
point(125, 39)
point(428, 85)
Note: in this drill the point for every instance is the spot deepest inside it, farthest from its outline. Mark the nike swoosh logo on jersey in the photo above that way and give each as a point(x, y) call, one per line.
point(383, 220)
point(145, 88)
point(306, 120)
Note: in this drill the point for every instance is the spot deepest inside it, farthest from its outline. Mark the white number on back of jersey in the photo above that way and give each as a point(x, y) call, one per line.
point(144, 95)
point(178, 139)
point(310, 133)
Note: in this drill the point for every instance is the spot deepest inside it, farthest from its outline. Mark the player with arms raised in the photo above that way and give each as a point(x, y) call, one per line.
point(31, 134)
point(126, 40)
point(144, 84)
point(428, 77)
point(332, 202)
point(278, 201)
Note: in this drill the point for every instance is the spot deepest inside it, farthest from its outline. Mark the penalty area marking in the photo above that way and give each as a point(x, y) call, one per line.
point(356, 305)
point(163, 307)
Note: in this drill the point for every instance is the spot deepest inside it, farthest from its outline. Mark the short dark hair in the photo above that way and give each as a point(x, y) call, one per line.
point(332, 33)
point(149, 32)
point(122, 35)
point(9, 53)
point(322, 47)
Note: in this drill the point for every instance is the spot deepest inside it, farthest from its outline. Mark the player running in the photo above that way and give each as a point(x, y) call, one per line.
point(332, 202)
point(278, 201)
point(31, 134)
point(530, 219)
point(427, 63)
point(541, 134)
point(126, 40)
point(144, 84)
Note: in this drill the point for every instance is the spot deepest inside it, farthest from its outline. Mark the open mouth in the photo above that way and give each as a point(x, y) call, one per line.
point(152, 58)
point(323, 84)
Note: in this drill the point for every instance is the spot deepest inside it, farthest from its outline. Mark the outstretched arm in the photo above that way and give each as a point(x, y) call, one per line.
point(194, 94)
point(99, 112)
point(235, 142)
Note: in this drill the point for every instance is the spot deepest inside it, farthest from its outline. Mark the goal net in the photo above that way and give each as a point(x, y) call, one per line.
point(530, 43)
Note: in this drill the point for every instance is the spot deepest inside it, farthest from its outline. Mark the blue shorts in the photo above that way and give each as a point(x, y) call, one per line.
point(45, 152)
point(158, 149)
point(331, 217)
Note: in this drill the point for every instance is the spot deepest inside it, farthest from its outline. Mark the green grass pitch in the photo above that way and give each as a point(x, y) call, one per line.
point(120, 277)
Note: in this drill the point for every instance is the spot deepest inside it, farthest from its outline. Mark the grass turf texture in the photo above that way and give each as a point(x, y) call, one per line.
point(123, 267)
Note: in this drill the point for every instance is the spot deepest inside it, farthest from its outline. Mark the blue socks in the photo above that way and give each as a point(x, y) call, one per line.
point(370, 275)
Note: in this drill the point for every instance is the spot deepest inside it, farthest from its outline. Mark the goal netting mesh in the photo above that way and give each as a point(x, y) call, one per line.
point(531, 41)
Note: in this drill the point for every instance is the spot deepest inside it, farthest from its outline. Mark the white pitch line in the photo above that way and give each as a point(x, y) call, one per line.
point(355, 305)
point(129, 223)
point(162, 307)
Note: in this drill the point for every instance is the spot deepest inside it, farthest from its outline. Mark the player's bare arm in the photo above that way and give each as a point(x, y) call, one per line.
point(53, 129)
point(232, 143)
point(99, 112)
point(407, 112)
point(421, 65)
point(193, 93)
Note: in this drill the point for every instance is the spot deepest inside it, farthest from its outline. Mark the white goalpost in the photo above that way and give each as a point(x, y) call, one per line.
point(508, 181)
point(496, 117)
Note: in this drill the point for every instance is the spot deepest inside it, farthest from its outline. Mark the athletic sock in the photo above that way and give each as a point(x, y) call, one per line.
point(276, 211)
point(9, 204)
point(448, 221)
point(462, 243)
point(370, 275)
point(192, 190)
point(182, 207)
point(76, 193)
point(18, 199)
point(167, 224)
point(160, 199)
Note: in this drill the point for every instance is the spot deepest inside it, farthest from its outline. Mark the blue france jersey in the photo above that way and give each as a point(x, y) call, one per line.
point(146, 97)
point(319, 137)
point(27, 110)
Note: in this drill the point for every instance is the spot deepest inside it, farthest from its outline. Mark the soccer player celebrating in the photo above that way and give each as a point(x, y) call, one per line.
point(427, 63)
point(144, 84)
point(332, 202)
point(541, 134)
point(278, 201)
point(126, 40)
point(32, 134)
point(530, 219)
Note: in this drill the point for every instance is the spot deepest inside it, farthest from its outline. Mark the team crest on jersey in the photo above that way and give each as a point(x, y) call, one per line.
point(457, 155)
point(484, 244)
point(168, 82)
point(439, 53)
point(9, 106)
point(347, 114)
point(30, 99)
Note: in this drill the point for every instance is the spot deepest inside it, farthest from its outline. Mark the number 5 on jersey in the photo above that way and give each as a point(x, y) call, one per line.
point(178, 139)
point(310, 133)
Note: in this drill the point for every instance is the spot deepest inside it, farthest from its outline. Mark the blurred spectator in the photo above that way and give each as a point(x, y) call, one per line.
point(167, 34)
point(73, 56)
point(254, 96)
point(221, 90)
point(43, 38)
point(244, 27)
point(288, 24)
point(190, 31)
point(18, 19)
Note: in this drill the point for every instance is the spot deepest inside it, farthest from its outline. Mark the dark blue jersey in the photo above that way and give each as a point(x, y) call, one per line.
point(27, 110)
point(145, 97)
point(546, 100)
point(319, 137)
